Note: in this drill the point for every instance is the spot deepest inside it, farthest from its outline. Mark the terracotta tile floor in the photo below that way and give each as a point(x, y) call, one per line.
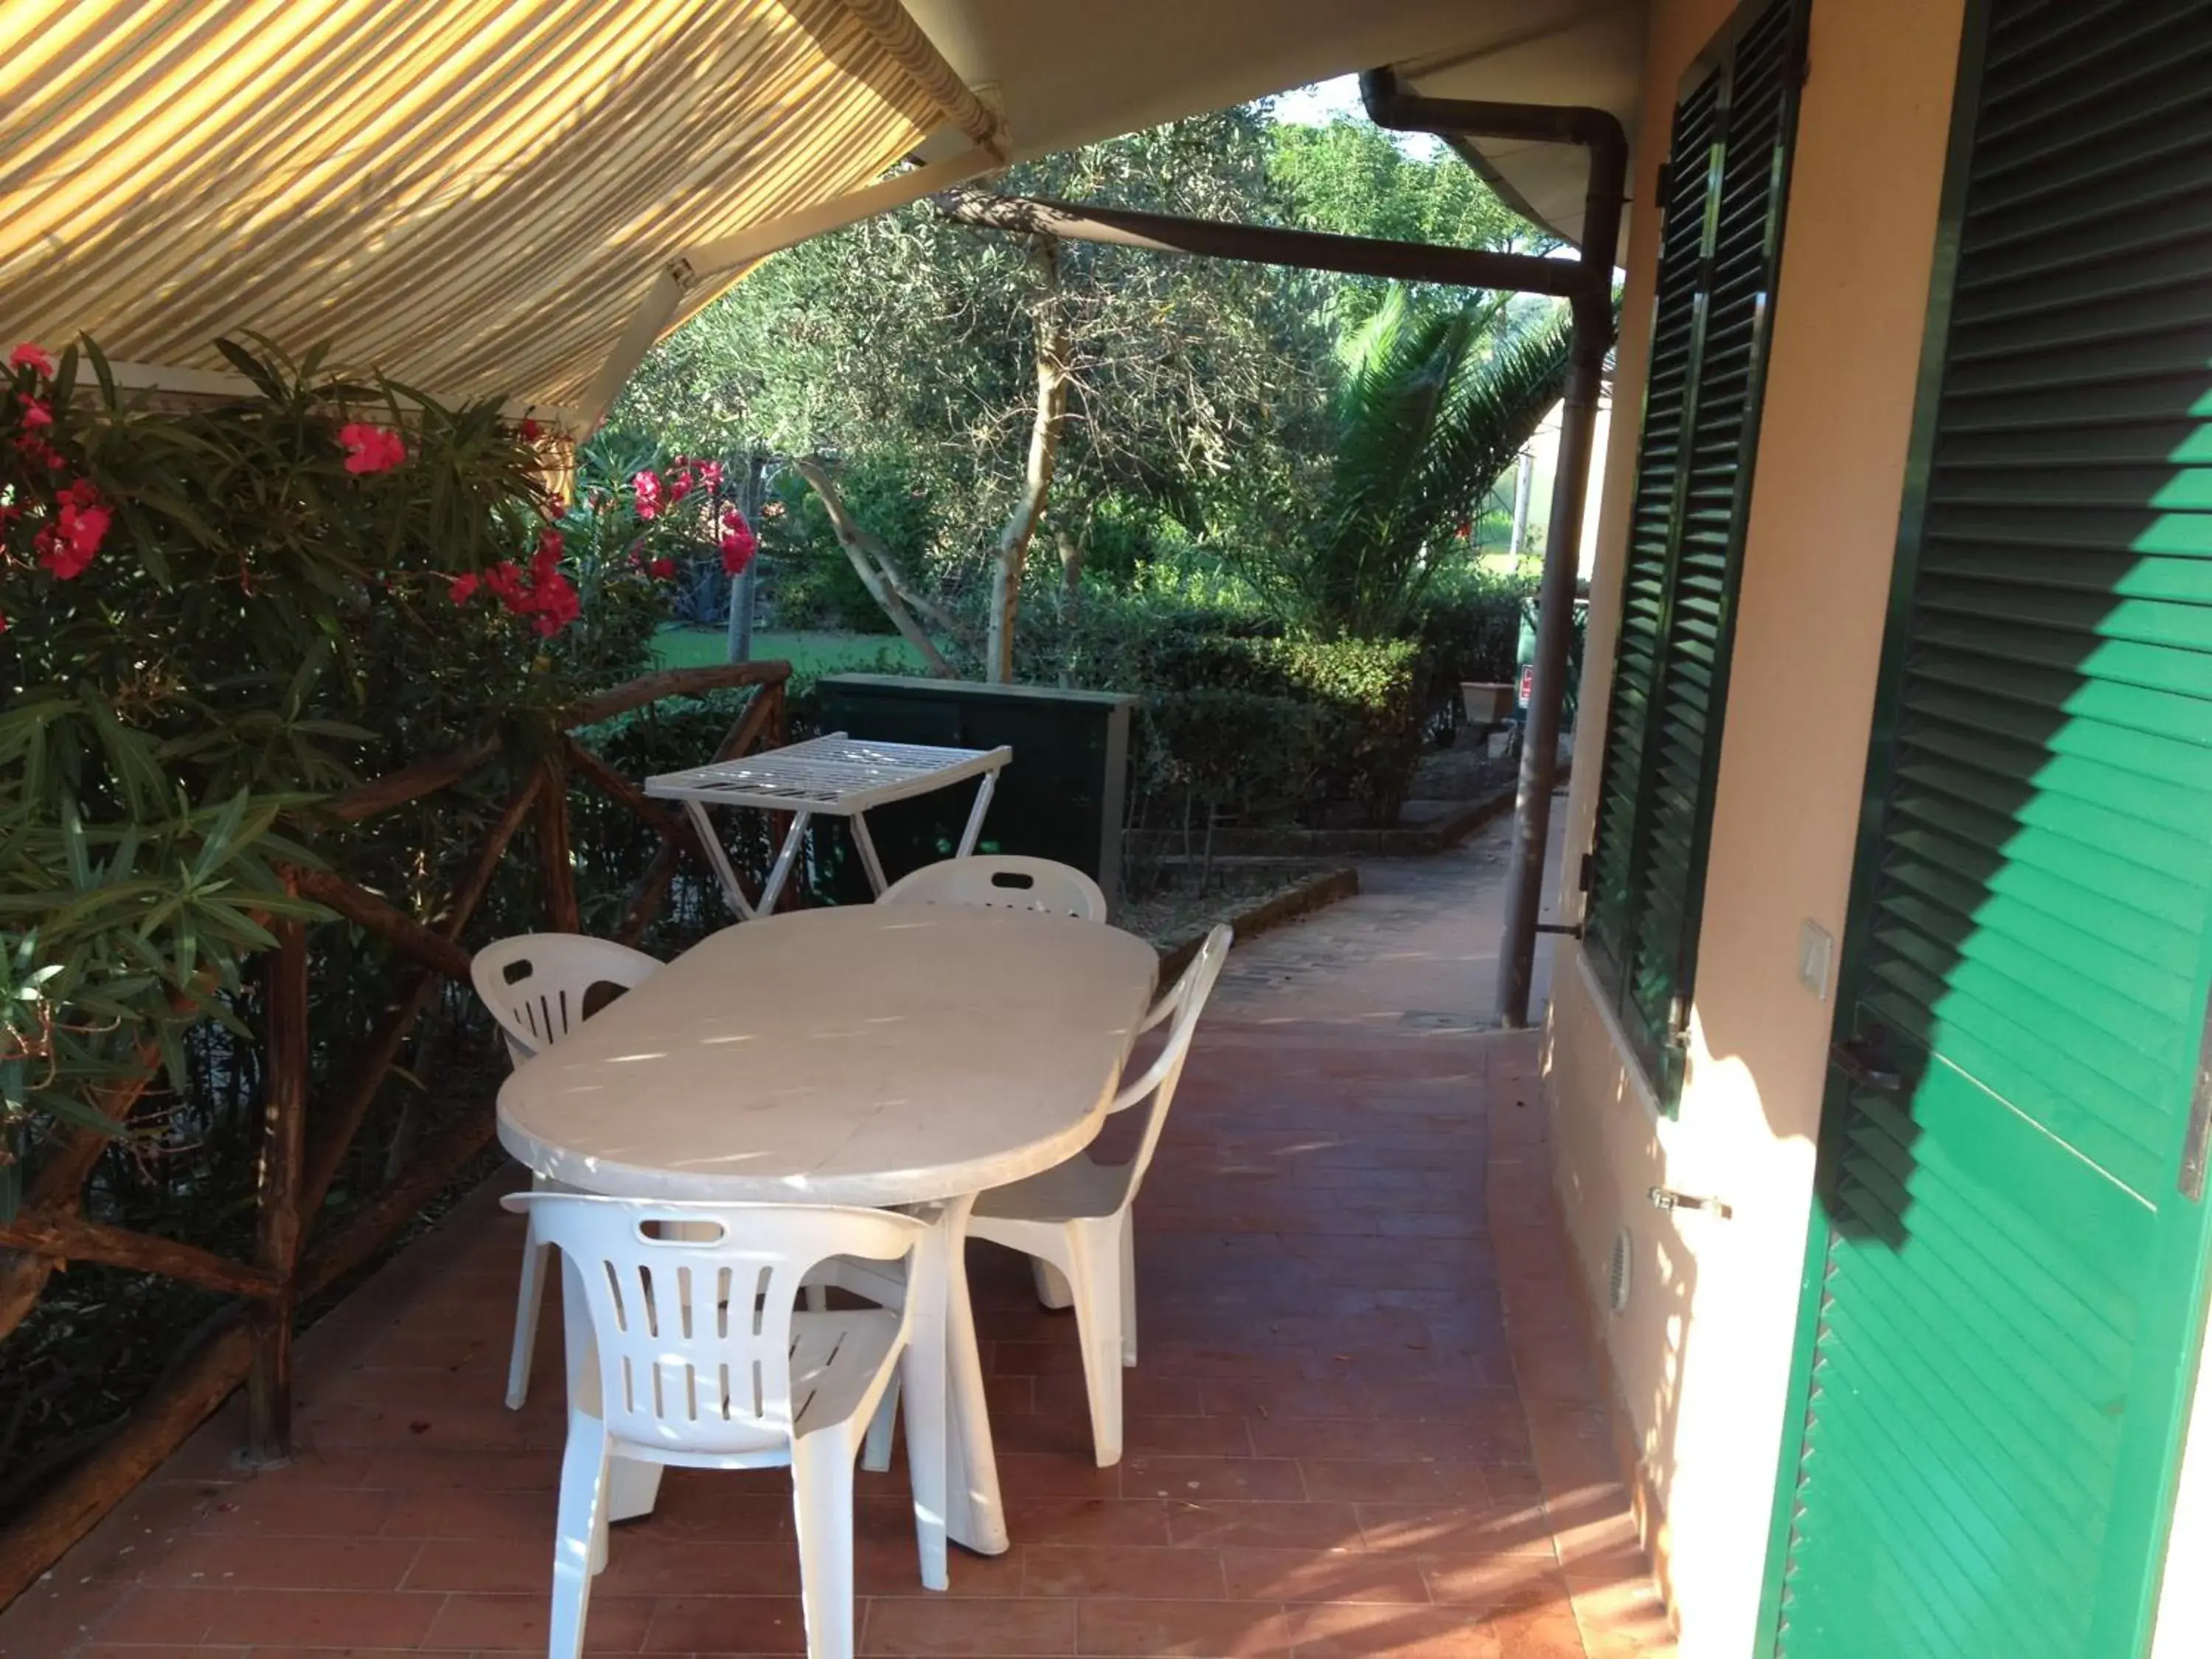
point(1363, 1424)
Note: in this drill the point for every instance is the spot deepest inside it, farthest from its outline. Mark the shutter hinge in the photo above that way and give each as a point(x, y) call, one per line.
point(1678, 1024)
point(1664, 189)
point(1586, 873)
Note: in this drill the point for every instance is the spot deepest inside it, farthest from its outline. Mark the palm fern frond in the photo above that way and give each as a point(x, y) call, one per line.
point(1431, 411)
point(1491, 411)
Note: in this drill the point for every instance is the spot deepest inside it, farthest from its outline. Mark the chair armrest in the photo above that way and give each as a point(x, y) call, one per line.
point(1166, 1006)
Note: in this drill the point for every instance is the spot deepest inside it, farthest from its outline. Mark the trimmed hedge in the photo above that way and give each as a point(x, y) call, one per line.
point(1469, 632)
point(1361, 725)
point(1237, 719)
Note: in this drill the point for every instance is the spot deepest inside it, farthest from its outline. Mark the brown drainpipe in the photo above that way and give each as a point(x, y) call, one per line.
point(1598, 132)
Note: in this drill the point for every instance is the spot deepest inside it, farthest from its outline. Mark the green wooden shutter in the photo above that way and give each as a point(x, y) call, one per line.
point(2006, 1276)
point(1726, 175)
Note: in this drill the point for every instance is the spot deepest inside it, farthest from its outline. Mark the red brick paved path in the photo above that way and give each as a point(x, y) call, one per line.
point(1363, 1425)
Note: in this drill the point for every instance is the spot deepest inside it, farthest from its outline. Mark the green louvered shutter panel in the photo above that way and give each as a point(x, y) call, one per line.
point(1678, 310)
point(2006, 1278)
point(1727, 176)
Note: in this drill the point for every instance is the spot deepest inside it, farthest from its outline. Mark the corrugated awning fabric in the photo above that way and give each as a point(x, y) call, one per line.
point(472, 196)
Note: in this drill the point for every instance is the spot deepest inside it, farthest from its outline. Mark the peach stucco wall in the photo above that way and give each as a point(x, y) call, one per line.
point(1702, 1354)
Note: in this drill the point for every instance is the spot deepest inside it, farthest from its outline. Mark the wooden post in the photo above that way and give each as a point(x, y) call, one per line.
point(553, 848)
point(284, 1109)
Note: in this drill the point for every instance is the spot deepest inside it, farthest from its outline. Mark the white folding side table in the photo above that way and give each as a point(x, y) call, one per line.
point(833, 776)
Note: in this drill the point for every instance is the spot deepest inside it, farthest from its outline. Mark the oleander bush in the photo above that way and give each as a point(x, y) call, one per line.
point(214, 616)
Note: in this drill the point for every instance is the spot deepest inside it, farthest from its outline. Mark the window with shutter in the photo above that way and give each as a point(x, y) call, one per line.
point(1722, 194)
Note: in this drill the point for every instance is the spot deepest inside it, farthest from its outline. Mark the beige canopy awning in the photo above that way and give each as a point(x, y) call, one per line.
point(520, 196)
point(473, 196)
point(1065, 72)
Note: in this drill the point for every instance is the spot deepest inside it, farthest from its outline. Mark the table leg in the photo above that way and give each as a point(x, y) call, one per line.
point(920, 1289)
point(974, 1515)
point(787, 855)
point(869, 862)
point(974, 830)
point(718, 857)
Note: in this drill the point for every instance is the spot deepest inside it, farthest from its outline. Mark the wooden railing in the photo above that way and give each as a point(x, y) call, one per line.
point(304, 1143)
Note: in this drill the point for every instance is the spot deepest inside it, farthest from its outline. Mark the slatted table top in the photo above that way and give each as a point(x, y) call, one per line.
point(835, 774)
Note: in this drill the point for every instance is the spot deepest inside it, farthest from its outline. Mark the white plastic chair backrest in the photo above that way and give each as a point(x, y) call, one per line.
point(692, 1306)
point(536, 984)
point(1153, 1089)
point(1002, 881)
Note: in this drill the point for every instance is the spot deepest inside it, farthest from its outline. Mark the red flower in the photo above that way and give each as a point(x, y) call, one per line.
point(710, 474)
point(372, 448)
point(646, 486)
point(739, 541)
point(27, 355)
point(679, 486)
point(505, 582)
point(554, 600)
point(543, 594)
point(530, 431)
point(38, 450)
point(464, 588)
point(661, 569)
point(36, 414)
point(72, 540)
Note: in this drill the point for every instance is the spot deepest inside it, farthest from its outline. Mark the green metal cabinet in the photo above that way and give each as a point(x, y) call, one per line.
point(1062, 796)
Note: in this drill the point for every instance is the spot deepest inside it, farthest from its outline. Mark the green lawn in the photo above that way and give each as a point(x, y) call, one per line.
point(807, 652)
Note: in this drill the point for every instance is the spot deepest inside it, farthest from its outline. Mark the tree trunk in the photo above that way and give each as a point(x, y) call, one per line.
point(1071, 569)
point(739, 627)
point(1524, 491)
point(1070, 549)
point(872, 563)
point(1052, 377)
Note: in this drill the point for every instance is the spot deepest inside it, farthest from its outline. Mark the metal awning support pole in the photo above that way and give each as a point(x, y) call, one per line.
point(1598, 132)
point(1267, 245)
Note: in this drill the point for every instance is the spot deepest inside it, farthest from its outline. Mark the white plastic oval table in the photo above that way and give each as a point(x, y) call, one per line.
point(888, 1056)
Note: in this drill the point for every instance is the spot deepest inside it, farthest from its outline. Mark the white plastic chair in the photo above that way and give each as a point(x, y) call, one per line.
point(1002, 881)
point(1074, 1218)
point(701, 1358)
point(537, 986)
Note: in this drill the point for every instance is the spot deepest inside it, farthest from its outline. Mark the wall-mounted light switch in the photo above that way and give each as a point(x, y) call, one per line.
point(1816, 958)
